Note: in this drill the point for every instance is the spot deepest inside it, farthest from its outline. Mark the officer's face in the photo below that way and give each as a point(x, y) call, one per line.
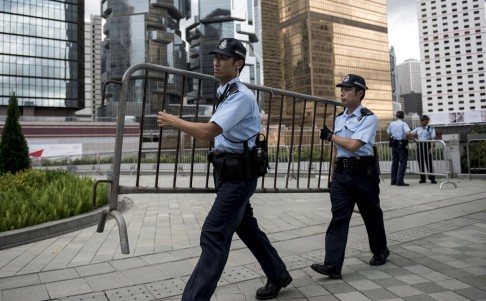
point(351, 96)
point(225, 68)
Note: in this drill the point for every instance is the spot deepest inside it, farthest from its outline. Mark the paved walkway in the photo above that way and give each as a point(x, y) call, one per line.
point(437, 239)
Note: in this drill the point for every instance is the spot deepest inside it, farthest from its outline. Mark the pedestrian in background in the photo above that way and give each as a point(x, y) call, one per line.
point(425, 149)
point(233, 126)
point(399, 132)
point(355, 179)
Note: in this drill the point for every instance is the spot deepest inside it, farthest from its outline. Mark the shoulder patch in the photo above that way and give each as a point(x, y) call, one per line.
point(233, 88)
point(366, 112)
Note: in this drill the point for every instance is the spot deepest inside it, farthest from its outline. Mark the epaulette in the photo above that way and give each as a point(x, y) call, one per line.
point(233, 88)
point(365, 112)
point(340, 114)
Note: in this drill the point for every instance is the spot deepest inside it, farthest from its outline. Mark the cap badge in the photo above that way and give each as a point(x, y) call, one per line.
point(346, 79)
point(223, 44)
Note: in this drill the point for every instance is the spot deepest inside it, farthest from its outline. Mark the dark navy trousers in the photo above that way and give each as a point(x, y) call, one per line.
point(399, 162)
point(231, 212)
point(424, 158)
point(350, 186)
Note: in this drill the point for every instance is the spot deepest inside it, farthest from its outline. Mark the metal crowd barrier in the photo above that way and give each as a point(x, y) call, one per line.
point(437, 164)
point(476, 156)
point(287, 113)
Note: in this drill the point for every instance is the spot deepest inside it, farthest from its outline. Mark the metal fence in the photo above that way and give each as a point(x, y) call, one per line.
point(288, 116)
point(423, 159)
point(476, 156)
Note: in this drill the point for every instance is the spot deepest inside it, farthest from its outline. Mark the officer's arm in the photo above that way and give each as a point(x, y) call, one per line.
point(347, 143)
point(410, 136)
point(199, 130)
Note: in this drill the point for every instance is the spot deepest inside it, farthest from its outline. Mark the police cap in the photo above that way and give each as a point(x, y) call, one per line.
point(230, 47)
point(400, 114)
point(353, 80)
point(424, 117)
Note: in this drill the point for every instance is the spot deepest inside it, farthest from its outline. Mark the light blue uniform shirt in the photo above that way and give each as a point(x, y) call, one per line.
point(358, 127)
point(398, 129)
point(424, 133)
point(239, 117)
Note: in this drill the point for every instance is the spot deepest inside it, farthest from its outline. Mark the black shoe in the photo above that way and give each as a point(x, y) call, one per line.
point(433, 182)
point(271, 290)
point(422, 181)
point(380, 259)
point(402, 184)
point(326, 269)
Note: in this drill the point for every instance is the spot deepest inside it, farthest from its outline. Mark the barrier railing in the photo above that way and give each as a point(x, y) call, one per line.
point(422, 159)
point(289, 114)
point(476, 156)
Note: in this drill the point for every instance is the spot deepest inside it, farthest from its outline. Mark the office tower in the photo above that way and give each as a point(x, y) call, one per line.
point(318, 42)
point(92, 67)
point(42, 56)
point(452, 34)
point(210, 21)
point(393, 74)
point(141, 32)
point(408, 74)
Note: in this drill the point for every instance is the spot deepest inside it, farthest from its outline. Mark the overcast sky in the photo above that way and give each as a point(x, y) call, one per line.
point(402, 26)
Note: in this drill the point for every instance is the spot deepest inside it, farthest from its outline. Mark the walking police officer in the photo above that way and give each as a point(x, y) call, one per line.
point(355, 179)
point(399, 131)
point(425, 148)
point(233, 126)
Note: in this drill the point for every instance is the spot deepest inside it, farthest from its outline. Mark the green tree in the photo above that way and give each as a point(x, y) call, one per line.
point(14, 152)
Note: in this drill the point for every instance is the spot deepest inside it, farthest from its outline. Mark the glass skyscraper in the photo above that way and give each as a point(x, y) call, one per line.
point(212, 20)
point(136, 32)
point(42, 55)
point(315, 43)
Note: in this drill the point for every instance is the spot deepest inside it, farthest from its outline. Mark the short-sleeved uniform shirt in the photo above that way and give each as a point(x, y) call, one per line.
point(356, 126)
point(239, 117)
point(398, 129)
point(424, 133)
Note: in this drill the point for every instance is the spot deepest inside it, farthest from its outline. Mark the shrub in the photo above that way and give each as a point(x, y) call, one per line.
point(32, 197)
point(14, 152)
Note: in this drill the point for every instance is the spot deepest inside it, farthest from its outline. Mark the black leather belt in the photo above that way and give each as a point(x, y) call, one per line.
point(350, 162)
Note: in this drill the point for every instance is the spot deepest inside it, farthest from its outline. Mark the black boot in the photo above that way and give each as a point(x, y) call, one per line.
point(271, 290)
point(326, 269)
point(381, 258)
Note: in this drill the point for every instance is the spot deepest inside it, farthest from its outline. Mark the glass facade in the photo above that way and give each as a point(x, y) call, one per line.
point(320, 41)
point(214, 20)
point(141, 32)
point(42, 54)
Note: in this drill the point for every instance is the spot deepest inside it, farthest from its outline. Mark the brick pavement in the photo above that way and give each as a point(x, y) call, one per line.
point(437, 239)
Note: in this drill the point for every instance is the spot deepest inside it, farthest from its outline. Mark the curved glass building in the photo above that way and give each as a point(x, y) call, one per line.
point(42, 56)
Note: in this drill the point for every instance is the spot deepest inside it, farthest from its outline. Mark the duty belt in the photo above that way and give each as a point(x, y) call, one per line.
point(350, 162)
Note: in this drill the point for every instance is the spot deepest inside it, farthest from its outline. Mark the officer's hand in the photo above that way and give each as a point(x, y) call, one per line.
point(165, 119)
point(326, 133)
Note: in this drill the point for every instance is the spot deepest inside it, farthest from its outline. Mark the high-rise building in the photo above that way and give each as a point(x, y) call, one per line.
point(141, 32)
point(393, 75)
point(92, 67)
point(316, 43)
point(408, 75)
point(212, 20)
point(452, 35)
point(42, 56)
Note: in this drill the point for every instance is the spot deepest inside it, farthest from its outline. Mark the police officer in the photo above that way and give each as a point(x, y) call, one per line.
point(424, 133)
point(355, 179)
point(399, 131)
point(235, 123)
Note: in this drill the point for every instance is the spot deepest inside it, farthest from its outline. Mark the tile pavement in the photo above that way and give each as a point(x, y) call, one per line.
point(437, 239)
